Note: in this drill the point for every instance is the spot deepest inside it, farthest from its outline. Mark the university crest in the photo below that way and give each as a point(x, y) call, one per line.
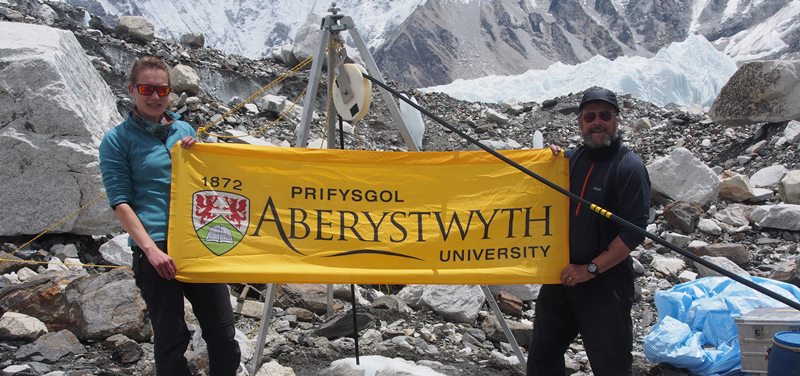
point(220, 219)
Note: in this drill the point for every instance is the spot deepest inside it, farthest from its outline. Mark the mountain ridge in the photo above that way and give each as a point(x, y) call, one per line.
point(433, 42)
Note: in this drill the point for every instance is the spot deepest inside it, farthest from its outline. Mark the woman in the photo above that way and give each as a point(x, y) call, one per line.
point(136, 167)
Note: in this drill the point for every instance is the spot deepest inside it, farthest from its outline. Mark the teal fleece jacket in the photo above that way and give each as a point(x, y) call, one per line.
point(136, 166)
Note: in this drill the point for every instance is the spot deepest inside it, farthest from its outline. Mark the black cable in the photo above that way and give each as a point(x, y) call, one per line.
point(355, 319)
point(352, 286)
point(595, 208)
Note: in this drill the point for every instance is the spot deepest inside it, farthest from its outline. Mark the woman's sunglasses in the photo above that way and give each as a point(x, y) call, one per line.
point(589, 117)
point(147, 89)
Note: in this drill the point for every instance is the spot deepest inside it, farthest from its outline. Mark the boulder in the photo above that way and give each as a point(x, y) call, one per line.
point(737, 253)
point(135, 28)
point(50, 133)
point(51, 347)
point(117, 251)
point(768, 176)
point(792, 131)
point(682, 177)
point(91, 306)
point(456, 303)
point(184, 79)
point(18, 326)
point(722, 262)
point(735, 187)
point(683, 216)
point(789, 188)
point(760, 91)
point(194, 40)
point(781, 216)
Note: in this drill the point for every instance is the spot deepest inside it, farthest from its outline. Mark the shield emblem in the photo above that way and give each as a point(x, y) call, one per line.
point(220, 219)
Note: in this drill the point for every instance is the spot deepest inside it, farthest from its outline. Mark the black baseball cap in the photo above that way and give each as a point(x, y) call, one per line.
point(598, 94)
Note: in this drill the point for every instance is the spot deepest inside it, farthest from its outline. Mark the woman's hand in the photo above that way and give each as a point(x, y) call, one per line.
point(188, 141)
point(555, 149)
point(161, 262)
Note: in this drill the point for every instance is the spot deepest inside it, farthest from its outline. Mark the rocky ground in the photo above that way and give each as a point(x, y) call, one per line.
point(418, 334)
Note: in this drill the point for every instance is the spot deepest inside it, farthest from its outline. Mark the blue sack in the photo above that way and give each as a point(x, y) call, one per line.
point(696, 327)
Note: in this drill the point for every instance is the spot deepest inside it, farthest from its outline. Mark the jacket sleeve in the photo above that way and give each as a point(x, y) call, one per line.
point(115, 170)
point(633, 203)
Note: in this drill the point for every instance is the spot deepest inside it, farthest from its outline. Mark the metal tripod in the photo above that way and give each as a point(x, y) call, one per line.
point(332, 26)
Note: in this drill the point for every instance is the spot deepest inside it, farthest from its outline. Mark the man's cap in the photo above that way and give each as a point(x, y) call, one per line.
point(599, 94)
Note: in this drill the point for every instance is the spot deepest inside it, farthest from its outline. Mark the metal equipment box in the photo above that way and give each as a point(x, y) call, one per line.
point(756, 329)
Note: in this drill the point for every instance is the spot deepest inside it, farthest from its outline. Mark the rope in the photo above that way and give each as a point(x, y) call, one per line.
point(201, 130)
point(63, 263)
point(260, 131)
point(259, 92)
point(69, 216)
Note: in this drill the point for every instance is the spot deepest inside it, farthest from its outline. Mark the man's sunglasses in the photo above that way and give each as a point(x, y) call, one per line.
point(589, 117)
point(147, 89)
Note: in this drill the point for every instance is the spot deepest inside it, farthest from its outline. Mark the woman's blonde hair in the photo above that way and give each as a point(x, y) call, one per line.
point(147, 62)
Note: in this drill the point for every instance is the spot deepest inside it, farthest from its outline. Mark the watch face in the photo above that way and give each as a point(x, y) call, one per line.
point(592, 268)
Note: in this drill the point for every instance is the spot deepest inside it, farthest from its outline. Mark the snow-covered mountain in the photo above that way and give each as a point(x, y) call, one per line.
point(252, 28)
point(689, 73)
point(443, 39)
point(433, 42)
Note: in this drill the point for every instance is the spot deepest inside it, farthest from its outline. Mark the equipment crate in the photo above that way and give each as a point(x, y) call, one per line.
point(756, 329)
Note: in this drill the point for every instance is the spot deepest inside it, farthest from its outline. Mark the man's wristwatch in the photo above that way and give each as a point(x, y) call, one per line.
point(592, 268)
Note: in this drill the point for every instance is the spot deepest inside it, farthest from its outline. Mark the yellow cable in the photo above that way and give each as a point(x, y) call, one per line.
point(200, 130)
point(2, 260)
point(259, 92)
point(70, 215)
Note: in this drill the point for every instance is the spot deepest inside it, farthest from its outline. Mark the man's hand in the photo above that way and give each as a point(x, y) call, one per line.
point(574, 274)
point(555, 149)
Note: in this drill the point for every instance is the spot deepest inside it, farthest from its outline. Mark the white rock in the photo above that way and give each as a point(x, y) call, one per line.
point(457, 303)
point(667, 265)
point(687, 276)
point(25, 274)
point(735, 215)
point(683, 177)
point(117, 251)
point(18, 326)
point(708, 226)
point(792, 132)
point(769, 176)
point(789, 187)
point(781, 216)
point(274, 368)
point(723, 263)
point(496, 117)
point(184, 80)
point(49, 115)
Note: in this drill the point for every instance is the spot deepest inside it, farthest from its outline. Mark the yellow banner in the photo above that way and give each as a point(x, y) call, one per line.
point(242, 213)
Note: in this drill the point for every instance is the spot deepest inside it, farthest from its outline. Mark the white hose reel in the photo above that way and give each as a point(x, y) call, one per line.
point(352, 92)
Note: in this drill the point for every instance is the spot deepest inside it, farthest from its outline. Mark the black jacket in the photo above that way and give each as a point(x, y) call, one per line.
point(626, 194)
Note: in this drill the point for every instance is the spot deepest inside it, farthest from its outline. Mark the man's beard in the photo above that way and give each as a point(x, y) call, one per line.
point(607, 139)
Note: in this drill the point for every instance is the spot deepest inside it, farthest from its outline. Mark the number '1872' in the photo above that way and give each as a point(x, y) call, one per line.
point(221, 182)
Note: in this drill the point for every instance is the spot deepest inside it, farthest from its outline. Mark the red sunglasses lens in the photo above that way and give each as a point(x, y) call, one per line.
point(147, 90)
point(163, 91)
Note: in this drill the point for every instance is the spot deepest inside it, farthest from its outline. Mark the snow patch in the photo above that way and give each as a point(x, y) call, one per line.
point(689, 73)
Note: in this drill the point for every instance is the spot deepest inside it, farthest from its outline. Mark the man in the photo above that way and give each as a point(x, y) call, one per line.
point(596, 291)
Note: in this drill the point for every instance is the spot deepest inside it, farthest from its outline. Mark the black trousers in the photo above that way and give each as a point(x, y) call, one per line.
point(210, 304)
point(600, 310)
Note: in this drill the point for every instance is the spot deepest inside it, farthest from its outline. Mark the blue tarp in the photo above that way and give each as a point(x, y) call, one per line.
point(696, 328)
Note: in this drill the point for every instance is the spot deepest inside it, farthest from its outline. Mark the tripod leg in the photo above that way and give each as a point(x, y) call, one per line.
point(311, 92)
point(373, 70)
point(262, 334)
point(509, 336)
